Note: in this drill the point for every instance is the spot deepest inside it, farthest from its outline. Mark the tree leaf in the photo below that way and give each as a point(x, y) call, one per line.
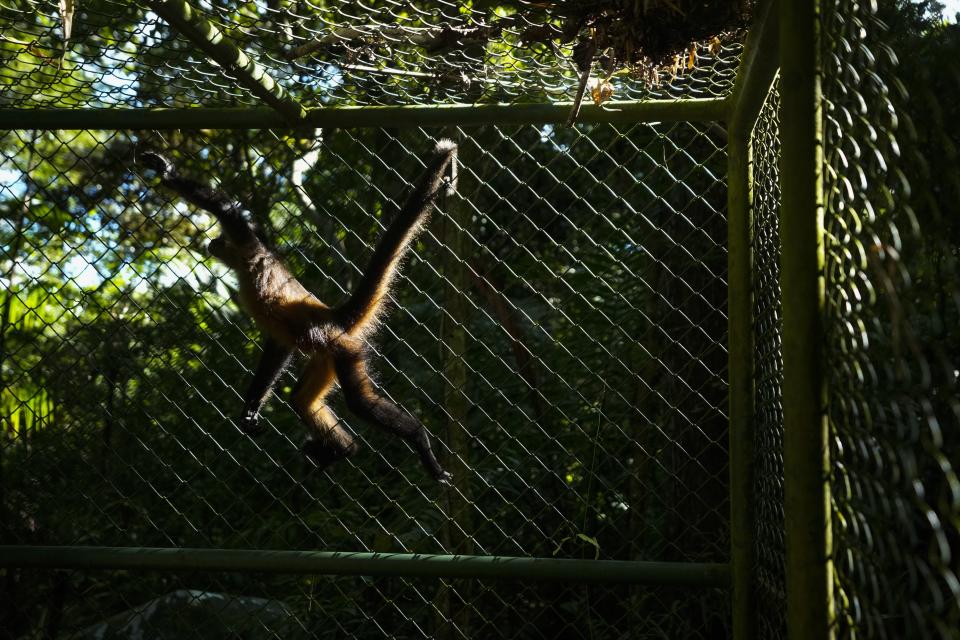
point(593, 542)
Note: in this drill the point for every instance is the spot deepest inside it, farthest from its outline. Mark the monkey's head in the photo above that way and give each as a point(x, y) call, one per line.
point(228, 252)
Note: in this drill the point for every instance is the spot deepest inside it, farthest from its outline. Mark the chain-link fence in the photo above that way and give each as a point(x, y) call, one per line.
point(892, 187)
point(560, 330)
point(768, 373)
point(561, 327)
point(890, 350)
point(337, 52)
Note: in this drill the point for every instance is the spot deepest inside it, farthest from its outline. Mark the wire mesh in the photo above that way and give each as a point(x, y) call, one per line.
point(121, 54)
point(768, 373)
point(87, 605)
point(891, 281)
point(560, 329)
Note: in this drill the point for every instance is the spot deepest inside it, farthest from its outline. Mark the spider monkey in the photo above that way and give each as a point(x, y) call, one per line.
point(293, 319)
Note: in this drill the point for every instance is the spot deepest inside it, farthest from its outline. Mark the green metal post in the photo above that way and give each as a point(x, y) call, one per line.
point(758, 68)
point(366, 564)
point(740, 359)
point(806, 454)
point(464, 115)
point(182, 17)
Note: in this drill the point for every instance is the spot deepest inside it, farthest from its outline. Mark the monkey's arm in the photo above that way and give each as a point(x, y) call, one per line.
point(274, 360)
point(363, 306)
point(223, 207)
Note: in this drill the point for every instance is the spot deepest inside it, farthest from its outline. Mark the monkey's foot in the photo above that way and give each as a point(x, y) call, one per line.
point(323, 455)
point(422, 443)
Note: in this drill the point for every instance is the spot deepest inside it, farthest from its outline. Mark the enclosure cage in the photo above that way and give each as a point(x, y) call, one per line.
point(691, 359)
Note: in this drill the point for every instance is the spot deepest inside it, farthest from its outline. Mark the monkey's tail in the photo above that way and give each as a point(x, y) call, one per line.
point(365, 304)
point(227, 210)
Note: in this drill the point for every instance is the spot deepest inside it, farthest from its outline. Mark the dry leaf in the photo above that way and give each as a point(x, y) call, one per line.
point(715, 46)
point(600, 91)
point(692, 59)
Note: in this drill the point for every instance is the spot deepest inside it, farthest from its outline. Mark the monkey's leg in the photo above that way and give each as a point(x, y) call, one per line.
point(274, 360)
point(363, 400)
point(329, 441)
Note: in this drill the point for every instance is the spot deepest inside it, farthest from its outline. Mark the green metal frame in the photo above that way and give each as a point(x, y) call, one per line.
point(465, 115)
point(740, 368)
point(806, 451)
point(785, 36)
point(758, 68)
point(367, 564)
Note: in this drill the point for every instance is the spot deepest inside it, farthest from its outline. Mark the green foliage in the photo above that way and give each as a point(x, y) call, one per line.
point(585, 443)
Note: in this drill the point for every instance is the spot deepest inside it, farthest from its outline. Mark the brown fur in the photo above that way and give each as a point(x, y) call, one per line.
point(294, 319)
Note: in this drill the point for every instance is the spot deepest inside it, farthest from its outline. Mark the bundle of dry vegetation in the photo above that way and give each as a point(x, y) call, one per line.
point(637, 33)
point(645, 38)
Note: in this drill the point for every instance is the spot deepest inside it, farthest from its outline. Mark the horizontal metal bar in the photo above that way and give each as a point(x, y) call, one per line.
point(367, 564)
point(705, 110)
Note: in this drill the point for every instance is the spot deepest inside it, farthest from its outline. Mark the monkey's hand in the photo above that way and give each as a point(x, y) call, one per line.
point(164, 167)
point(250, 423)
point(450, 177)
